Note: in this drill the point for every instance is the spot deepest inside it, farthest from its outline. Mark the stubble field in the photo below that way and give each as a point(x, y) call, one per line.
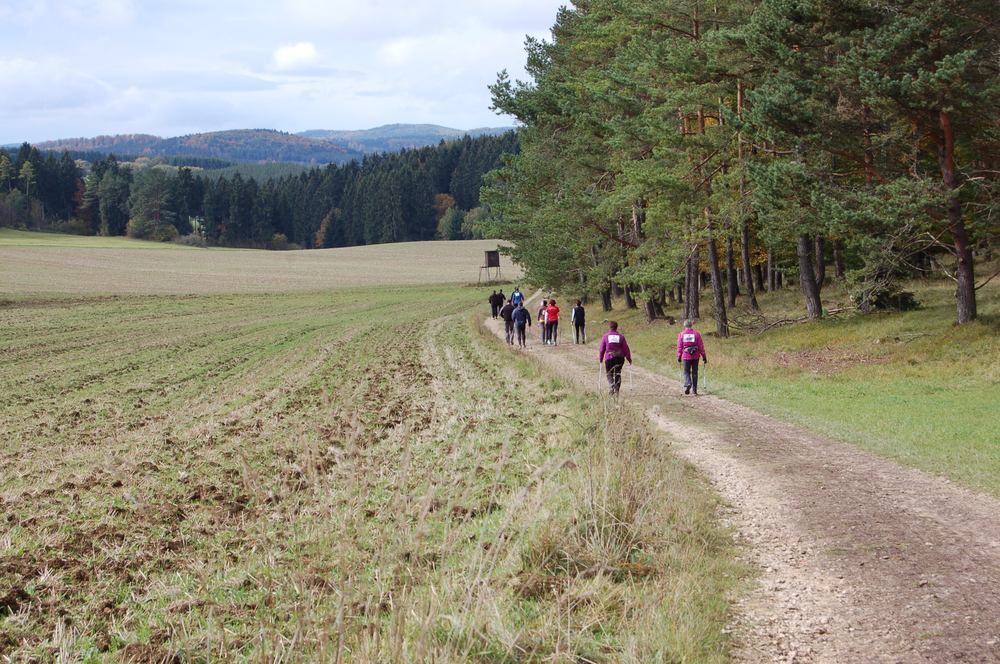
point(53, 263)
point(342, 475)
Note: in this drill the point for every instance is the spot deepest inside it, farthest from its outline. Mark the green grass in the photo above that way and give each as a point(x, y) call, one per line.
point(909, 386)
point(14, 238)
point(358, 473)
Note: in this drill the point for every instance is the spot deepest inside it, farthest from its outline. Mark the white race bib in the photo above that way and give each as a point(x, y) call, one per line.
point(614, 338)
point(688, 338)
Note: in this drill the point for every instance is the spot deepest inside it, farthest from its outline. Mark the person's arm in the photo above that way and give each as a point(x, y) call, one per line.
point(572, 316)
point(680, 346)
point(600, 351)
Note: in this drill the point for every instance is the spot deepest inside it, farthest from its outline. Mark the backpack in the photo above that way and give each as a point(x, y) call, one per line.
point(690, 345)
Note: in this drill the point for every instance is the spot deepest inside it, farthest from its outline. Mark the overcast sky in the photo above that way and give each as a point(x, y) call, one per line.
point(73, 68)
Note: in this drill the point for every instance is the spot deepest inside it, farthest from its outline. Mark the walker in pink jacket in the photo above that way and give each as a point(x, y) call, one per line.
point(689, 345)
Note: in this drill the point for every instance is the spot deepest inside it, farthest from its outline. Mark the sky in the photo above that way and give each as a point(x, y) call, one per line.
point(81, 68)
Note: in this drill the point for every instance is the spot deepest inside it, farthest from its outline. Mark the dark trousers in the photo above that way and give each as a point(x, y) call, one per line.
point(521, 336)
point(545, 330)
point(613, 368)
point(552, 331)
point(691, 374)
point(494, 308)
point(508, 328)
point(579, 333)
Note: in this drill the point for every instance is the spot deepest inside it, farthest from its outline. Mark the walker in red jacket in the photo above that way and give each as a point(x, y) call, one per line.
point(690, 348)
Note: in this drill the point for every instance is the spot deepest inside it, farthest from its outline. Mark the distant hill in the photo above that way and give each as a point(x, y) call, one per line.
point(240, 145)
point(314, 147)
point(396, 137)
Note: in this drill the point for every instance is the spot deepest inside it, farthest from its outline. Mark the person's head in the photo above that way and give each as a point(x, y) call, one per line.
point(688, 324)
point(544, 302)
point(494, 291)
point(520, 305)
point(613, 325)
point(579, 303)
point(552, 303)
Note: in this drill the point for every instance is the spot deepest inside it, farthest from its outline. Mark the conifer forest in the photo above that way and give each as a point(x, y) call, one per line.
point(669, 144)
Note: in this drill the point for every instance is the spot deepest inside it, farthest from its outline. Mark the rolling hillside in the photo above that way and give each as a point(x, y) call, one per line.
point(317, 146)
point(243, 145)
point(394, 137)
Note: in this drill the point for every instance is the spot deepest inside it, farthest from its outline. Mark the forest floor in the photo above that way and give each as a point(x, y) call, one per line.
point(861, 559)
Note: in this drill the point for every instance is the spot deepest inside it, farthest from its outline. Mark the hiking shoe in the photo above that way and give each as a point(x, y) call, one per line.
point(687, 390)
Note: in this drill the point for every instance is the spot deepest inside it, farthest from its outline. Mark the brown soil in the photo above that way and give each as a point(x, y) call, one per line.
point(861, 559)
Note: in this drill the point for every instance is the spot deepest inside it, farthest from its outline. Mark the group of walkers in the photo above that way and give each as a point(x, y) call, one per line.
point(613, 351)
point(517, 319)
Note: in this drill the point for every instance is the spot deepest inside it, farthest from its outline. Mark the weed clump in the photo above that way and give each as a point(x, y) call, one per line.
point(619, 558)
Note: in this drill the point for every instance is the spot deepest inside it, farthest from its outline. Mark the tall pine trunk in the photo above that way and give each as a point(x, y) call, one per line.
point(807, 278)
point(650, 306)
point(630, 298)
point(772, 272)
point(758, 277)
point(839, 267)
point(820, 265)
point(965, 293)
point(718, 297)
point(733, 286)
point(692, 309)
point(745, 255)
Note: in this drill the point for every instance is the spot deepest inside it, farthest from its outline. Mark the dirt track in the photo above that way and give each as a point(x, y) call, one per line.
point(862, 560)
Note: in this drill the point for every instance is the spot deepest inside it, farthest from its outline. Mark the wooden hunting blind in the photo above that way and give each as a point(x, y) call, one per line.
point(491, 263)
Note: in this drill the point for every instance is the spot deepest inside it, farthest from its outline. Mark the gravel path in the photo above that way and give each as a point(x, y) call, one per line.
point(861, 559)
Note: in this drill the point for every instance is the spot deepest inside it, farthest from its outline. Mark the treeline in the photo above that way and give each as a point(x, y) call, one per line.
point(204, 163)
point(667, 140)
point(412, 195)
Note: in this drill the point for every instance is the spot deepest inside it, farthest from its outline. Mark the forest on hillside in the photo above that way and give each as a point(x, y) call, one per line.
point(670, 143)
point(246, 145)
point(424, 194)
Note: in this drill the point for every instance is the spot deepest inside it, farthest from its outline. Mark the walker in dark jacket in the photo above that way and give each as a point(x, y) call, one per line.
point(494, 307)
point(522, 321)
point(507, 314)
point(579, 319)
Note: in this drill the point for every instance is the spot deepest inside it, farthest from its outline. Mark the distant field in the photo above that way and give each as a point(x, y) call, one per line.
point(42, 263)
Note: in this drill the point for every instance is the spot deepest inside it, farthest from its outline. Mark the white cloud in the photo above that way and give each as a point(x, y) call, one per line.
point(296, 56)
point(190, 65)
point(393, 18)
point(41, 86)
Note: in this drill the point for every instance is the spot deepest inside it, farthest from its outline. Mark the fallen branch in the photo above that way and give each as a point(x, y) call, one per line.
point(757, 324)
